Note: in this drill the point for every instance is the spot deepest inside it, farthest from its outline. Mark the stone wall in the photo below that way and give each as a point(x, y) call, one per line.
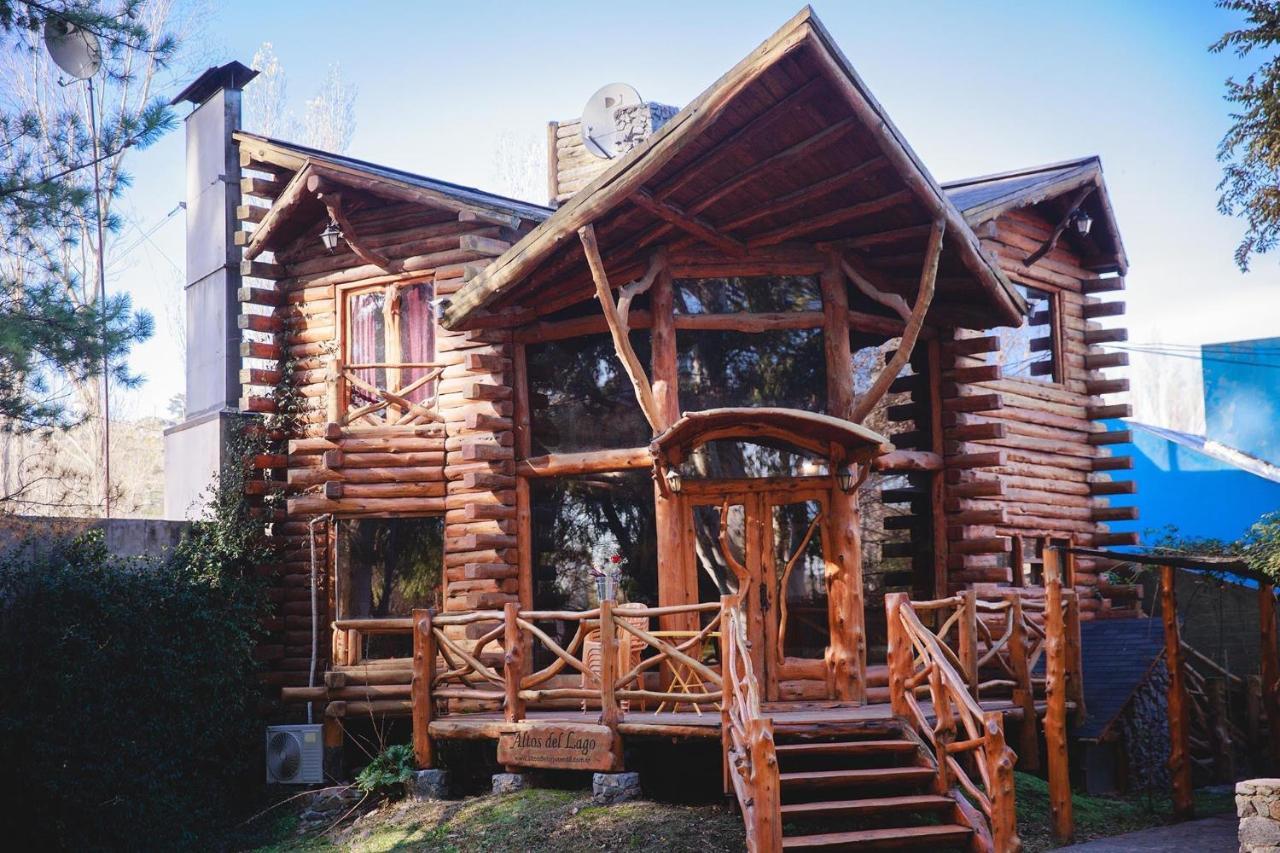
point(1258, 806)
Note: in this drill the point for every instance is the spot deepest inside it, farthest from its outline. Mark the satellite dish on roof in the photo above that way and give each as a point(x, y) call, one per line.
point(599, 128)
point(73, 49)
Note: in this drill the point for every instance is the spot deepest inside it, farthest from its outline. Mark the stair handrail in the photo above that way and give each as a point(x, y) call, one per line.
point(751, 762)
point(918, 662)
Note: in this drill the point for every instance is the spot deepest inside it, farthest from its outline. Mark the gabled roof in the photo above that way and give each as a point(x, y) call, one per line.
point(986, 197)
point(292, 156)
point(788, 146)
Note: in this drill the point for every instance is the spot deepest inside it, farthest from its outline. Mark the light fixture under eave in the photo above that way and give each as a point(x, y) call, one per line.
point(1083, 223)
point(846, 479)
point(330, 236)
point(674, 483)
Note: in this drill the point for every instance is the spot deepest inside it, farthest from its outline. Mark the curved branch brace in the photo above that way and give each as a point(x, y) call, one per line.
point(892, 301)
point(630, 291)
point(928, 278)
point(618, 326)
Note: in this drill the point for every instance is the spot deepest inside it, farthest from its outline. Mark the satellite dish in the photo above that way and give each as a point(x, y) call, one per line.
point(599, 129)
point(76, 51)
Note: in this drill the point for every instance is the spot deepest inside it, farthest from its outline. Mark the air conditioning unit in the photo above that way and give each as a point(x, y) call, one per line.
point(295, 755)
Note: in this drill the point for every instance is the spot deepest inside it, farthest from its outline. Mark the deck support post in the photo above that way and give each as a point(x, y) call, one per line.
point(1270, 670)
point(424, 665)
point(1179, 712)
point(512, 662)
point(1055, 718)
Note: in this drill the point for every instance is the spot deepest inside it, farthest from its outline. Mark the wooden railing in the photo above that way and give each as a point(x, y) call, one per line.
point(354, 401)
point(751, 762)
point(609, 651)
point(974, 764)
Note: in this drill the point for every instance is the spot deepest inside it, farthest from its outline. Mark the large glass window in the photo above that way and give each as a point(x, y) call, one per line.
point(389, 566)
point(1030, 350)
point(733, 459)
point(579, 523)
point(580, 398)
point(784, 368)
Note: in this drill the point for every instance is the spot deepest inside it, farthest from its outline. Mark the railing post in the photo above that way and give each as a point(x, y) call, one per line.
point(1270, 670)
point(1055, 718)
point(424, 666)
point(609, 713)
point(1179, 713)
point(726, 689)
point(944, 730)
point(1023, 691)
point(768, 793)
point(999, 758)
point(333, 391)
point(899, 652)
point(967, 638)
point(512, 662)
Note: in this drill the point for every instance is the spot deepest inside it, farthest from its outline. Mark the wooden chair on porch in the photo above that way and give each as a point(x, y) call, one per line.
point(630, 648)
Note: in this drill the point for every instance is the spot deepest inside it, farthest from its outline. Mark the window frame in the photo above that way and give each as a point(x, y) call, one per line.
point(342, 573)
point(342, 294)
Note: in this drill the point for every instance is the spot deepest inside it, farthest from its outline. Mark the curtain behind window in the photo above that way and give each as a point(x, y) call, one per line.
point(417, 337)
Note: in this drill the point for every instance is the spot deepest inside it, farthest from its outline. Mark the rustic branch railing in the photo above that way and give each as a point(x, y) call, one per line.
point(488, 670)
point(751, 762)
point(954, 726)
point(355, 401)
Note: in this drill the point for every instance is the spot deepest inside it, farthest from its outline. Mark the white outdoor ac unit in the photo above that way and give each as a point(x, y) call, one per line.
point(295, 755)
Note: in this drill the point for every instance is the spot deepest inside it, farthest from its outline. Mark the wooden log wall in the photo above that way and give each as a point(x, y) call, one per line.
point(461, 468)
point(1028, 457)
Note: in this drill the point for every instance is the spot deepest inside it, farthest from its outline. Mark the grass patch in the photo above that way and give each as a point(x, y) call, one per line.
point(536, 819)
point(1099, 817)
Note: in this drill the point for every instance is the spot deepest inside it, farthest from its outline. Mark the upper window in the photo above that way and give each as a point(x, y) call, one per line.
point(782, 367)
point(1031, 350)
point(755, 295)
point(390, 338)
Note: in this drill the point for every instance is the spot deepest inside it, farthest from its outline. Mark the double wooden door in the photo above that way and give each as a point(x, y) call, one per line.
point(777, 540)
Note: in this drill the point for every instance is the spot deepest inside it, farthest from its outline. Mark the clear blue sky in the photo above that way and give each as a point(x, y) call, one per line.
point(976, 87)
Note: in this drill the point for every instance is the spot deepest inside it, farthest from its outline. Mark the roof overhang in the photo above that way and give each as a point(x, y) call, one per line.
point(822, 435)
point(984, 198)
point(789, 147)
point(306, 168)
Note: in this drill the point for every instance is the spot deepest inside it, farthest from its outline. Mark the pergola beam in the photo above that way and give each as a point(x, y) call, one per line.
point(689, 223)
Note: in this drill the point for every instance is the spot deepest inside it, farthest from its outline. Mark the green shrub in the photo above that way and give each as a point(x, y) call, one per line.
point(389, 772)
point(129, 698)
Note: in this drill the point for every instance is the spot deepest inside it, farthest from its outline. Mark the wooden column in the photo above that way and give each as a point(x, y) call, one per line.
point(1055, 718)
point(1270, 669)
point(523, 437)
point(677, 577)
point(424, 665)
point(847, 654)
point(999, 758)
point(1179, 712)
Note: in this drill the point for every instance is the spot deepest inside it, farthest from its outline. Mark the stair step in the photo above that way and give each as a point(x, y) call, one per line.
point(868, 806)
point(863, 776)
point(899, 836)
point(847, 747)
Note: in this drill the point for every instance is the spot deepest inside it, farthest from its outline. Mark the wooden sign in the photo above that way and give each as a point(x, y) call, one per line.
point(557, 746)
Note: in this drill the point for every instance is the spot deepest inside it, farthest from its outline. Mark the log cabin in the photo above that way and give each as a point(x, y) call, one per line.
point(836, 422)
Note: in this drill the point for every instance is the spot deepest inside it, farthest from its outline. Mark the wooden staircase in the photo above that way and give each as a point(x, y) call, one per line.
point(867, 785)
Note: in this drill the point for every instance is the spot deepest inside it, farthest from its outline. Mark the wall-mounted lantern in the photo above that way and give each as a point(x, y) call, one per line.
point(674, 482)
point(331, 235)
point(846, 479)
point(1083, 222)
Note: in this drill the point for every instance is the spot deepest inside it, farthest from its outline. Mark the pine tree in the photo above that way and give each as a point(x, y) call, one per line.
point(1250, 151)
point(50, 333)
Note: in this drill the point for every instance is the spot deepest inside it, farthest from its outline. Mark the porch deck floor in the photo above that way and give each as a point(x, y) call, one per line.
point(487, 725)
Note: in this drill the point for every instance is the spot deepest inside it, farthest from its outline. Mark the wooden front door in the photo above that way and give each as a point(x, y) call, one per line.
point(779, 540)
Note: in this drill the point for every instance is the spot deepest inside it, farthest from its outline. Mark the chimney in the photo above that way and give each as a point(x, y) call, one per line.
point(194, 448)
point(571, 165)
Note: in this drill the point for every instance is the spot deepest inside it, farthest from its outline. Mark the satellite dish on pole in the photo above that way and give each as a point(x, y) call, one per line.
point(600, 131)
point(73, 49)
